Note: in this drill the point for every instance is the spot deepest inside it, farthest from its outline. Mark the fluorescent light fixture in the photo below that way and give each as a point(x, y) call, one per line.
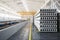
point(6, 8)
point(45, 4)
point(25, 5)
point(8, 11)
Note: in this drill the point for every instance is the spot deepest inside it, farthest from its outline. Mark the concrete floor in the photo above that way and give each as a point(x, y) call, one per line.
point(35, 34)
point(44, 36)
point(22, 34)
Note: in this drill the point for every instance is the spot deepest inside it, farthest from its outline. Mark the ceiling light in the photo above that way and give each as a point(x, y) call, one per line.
point(25, 5)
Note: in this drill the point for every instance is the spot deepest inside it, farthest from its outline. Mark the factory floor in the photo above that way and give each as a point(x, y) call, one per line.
point(22, 34)
point(44, 35)
point(29, 32)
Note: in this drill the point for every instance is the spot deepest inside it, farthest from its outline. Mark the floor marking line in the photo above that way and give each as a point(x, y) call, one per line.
point(30, 33)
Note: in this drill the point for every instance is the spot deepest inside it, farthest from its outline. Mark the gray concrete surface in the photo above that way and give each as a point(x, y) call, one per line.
point(22, 34)
point(7, 32)
point(44, 36)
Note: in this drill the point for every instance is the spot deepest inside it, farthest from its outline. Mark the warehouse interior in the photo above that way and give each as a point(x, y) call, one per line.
point(29, 19)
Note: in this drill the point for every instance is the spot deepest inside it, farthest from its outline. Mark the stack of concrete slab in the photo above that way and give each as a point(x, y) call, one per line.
point(48, 20)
